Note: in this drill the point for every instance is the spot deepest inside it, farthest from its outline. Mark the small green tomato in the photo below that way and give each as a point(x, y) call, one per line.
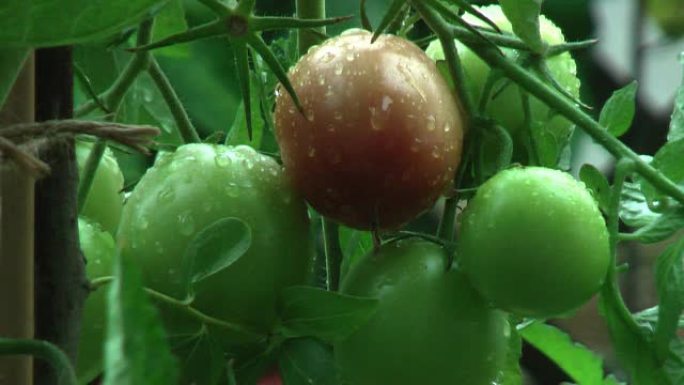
point(534, 242)
point(105, 200)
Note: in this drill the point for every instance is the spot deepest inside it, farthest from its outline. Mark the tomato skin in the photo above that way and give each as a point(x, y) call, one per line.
point(99, 250)
point(105, 200)
point(381, 135)
point(431, 327)
point(506, 108)
point(669, 14)
point(534, 242)
point(195, 186)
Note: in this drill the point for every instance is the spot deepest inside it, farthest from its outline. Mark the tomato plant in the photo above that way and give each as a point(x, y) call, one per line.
point(220, 271)
point(98, 249)
point(192, 188)
point(105, 200)
point(503, 101)
point(380, 136)
point(534, 242)
point(430, 326)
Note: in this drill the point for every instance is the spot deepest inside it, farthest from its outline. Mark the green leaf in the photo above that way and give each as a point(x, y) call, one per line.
point(547, 145)
point(669, 274)
point(307, 361)
point(169, 21)
point(634, 209)
point(632, 346)
point(580, 363)
point(42, 23)
point(661, 228)
point(313, 312)
point(201, 358)
point(668, 160)
point(136, 351)
point(675, 364)
point(597, 184)
point(355, 244)
point(11, 61)
point(677, 123)
point(215, 248)
point(524, 17)
point(510, 373)
point(618, 112)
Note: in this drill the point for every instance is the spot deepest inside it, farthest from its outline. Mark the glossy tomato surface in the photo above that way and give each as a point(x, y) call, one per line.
point(534, 242)
point(381, 133)
point(99, 250)
point(192, 188)
point(430, 328)
point(505, 104)
point(105, 198)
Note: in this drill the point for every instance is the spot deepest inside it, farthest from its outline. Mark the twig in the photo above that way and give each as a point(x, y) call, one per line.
point(138, 137)
point(31, 163)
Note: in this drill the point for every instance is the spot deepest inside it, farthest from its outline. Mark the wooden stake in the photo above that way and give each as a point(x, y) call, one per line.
point(17, 237)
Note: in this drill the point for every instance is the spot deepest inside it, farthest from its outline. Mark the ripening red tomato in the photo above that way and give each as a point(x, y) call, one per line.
point(273, 378)
point(381, 133)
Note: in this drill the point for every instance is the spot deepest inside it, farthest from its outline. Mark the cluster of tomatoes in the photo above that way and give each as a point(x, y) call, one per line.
point(377, 141)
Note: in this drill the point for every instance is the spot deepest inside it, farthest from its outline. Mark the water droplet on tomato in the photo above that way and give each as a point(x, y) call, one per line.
point(186, 223)
point(386, 102)
point(375, 120)
point(166, 194)
point(431, 122)
point(222, 160)
point(309, 113)
point(143, 223)
point(328, 56)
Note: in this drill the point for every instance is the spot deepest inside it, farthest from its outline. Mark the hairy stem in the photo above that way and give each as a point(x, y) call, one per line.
point(310, 9)
point(185, 126)
point(185, 306)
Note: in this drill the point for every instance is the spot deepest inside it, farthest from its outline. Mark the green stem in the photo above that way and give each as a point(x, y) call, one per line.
point(448, 220)
point(114, 95)
point(611, 289)
point(565, 107)
point(315, 9)
point(310, 9)
point(111, 99)
point(333, 253)
point(43, 350)
point(89, 170)
point(447, 223)
point(191, 311)
point(185, 126)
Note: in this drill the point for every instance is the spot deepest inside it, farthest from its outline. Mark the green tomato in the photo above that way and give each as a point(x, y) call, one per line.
point(669, 14)
point(99, 250)
point(190, 189)
point(553, 131)
point(534, 242)
point(430, 327)
point(105, 200)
